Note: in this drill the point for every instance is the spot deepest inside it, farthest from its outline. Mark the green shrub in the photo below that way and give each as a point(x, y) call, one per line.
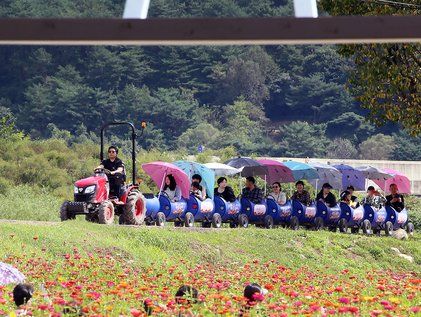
point(4, 186)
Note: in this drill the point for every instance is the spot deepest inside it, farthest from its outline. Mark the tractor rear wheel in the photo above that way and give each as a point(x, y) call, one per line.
point(64, 212)
point(135, 209)
point(189, 220)
point(216, 220)
point(268, 222)
point(243, 221)
point(160, 219)
point(106, 213)
point(388, 228)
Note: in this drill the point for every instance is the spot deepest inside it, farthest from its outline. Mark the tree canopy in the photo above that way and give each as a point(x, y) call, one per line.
point(260, 99)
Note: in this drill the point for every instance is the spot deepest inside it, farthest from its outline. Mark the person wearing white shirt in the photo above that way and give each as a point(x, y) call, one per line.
point(277, 194)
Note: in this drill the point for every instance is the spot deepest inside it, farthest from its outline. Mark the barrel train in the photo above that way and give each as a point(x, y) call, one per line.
point(268, 214)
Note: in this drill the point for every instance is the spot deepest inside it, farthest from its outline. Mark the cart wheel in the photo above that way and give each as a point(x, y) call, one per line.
point(216, 220)
point(343, 225)
point(366, 226)
point(148, 221)
point(160, 219)
point(243, 221)
point(388, 228)
point(233, 225)
point(294, 223)
point(318, 223)
point(354, 230)
point(268, 222)
point(410, 228)
point(189, 220)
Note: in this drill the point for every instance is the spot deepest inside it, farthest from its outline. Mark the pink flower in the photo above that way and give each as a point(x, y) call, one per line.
point(344, 300)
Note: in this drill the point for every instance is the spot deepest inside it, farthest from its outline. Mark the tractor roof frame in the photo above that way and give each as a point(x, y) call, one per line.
point(133, 139)
point(212, 31)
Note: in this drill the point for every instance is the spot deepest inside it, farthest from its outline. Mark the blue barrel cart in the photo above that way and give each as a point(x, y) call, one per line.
point(331, 217)
point(229, 211)
point(252, 213)
point(152, 209)
point(305, 215)
point(397, 220)
point(281, 214)
point(358, 218)
point(203, 211)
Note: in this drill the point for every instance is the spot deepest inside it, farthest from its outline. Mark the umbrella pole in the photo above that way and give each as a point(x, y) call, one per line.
point(317, 183)
point(162, 184)
point(265, 185)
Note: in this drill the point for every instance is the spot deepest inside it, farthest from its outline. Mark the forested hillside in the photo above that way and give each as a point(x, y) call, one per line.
point(273, 100)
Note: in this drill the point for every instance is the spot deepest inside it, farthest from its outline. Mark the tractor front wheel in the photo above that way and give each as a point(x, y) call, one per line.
point(106, 213)
point(135, 209)
point(64, 215)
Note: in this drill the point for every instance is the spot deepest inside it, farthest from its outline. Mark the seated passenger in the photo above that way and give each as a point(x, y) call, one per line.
point(196, 191)
point(115, 171)
point(346, 198)
point(395, 199)
point(171, 189)
point(277, 194)
point(223, 190)
point(301, 194)
point(354, 199)
point(326, 196)
point(374, 198)
point(252, 192)
point(198, 178)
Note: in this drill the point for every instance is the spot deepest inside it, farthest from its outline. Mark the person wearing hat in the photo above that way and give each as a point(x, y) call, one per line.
point(326, 196)
point(354, 199)
point(301, 194)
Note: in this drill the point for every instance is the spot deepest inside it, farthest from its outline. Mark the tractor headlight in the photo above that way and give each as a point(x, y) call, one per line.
point(90, 189)
point(75, 190)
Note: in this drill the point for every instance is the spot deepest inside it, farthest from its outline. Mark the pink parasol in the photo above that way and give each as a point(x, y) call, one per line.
point(158, 170)
point(403, 182)
point(277, 171)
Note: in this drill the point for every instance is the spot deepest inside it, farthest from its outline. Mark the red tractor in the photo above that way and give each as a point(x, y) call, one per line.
point(92, 196)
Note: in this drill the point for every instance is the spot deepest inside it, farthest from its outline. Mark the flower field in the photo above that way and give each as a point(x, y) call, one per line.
point(79, 268)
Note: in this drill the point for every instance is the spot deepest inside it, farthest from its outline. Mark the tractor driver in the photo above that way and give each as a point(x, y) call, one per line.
point(114, 168)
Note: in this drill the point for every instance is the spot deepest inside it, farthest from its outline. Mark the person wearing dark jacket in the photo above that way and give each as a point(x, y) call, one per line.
point(114, 168)
point(326, 196)
point(224, 191)
point(395, 199)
